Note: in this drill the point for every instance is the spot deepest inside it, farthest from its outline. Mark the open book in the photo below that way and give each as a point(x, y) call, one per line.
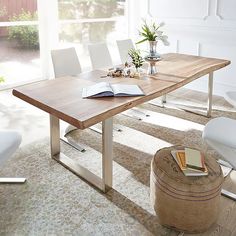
point(105, 89)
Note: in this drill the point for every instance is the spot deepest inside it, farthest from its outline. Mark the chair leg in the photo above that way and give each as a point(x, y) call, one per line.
point(228, 194)
point(163, 99)
point(135, 114)
point(224, 192)
point(73, 144)
point(95, 129)
point(64, 131)
point(12, 180)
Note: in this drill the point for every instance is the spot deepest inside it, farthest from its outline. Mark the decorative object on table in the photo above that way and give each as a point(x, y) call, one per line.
point(137, 60)
point(152, 33)
point(117, 72)
point(189, 204)
point(129, 70)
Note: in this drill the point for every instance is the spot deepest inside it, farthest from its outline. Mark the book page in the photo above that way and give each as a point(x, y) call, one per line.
point(102, 89)
point(126, 90)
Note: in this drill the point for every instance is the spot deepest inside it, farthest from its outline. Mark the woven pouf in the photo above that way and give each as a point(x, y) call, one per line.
point(189, 204)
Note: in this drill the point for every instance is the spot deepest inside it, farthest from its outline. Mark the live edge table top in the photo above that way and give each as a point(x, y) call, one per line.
point(62, 97)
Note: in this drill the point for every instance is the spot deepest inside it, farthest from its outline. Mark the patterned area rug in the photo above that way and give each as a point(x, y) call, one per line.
point(56, 202)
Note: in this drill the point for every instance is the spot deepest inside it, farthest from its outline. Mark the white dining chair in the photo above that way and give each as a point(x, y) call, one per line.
point(123, 47)
point(10, 140)
point(101, 59)
point(100, 56)
point(66, 63)
point(220, 134)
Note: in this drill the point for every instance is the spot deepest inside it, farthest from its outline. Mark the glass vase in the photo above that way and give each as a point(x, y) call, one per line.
point(153, 48)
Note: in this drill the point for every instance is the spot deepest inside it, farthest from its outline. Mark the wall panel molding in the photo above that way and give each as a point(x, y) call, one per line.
point(196, 9)
point(204, 28)
point(225, 9)
point(217, 10)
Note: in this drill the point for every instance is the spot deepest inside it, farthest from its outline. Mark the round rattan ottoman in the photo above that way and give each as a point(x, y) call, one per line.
point(189, 204)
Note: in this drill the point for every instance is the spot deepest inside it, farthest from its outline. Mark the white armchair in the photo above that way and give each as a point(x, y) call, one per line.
point(220, 134)
point(66, 63)
point(9, 142)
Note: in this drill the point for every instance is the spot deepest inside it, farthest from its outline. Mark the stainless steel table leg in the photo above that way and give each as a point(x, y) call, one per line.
point(210, 92)
point(107, 153)
point(209, 105)
point(104, 183)
point(54, 135)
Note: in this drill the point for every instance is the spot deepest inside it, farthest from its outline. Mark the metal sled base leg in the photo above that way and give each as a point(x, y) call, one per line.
point(12, 180)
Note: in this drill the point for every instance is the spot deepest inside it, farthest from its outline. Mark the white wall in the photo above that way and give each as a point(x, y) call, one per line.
point(199, 27)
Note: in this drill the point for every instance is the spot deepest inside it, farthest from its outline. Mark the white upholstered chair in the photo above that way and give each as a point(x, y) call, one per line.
point(124, 46)
point(66, 63)
point(220, 134)
point(101, 59)
point(10, 140)
point(100, 56)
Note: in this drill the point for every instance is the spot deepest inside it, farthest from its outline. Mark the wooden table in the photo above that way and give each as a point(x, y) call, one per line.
point(61, 98)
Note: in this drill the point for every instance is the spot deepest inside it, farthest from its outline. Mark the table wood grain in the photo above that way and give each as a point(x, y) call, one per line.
point(62, 97)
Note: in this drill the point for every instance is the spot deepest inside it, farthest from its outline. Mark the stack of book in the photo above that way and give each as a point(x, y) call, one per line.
point(190, 161)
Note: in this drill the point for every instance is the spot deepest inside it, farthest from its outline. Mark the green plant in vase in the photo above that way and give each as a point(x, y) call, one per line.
point(136, 58)
point(152, 33)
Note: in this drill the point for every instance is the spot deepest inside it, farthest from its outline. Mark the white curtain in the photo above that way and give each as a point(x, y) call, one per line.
point(48, 33)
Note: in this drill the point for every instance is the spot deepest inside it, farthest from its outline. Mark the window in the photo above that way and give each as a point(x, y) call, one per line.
point(83, 22)
point(19, 43)
point(23, 57)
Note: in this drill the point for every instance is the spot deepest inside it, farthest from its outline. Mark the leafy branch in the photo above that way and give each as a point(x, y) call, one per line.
point(136, 57)
point(3, 11)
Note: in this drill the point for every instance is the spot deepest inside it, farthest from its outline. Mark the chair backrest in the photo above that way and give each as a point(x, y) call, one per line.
point(124, 46)
point(65, 62)
point(100, 56)
point(9, 142)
